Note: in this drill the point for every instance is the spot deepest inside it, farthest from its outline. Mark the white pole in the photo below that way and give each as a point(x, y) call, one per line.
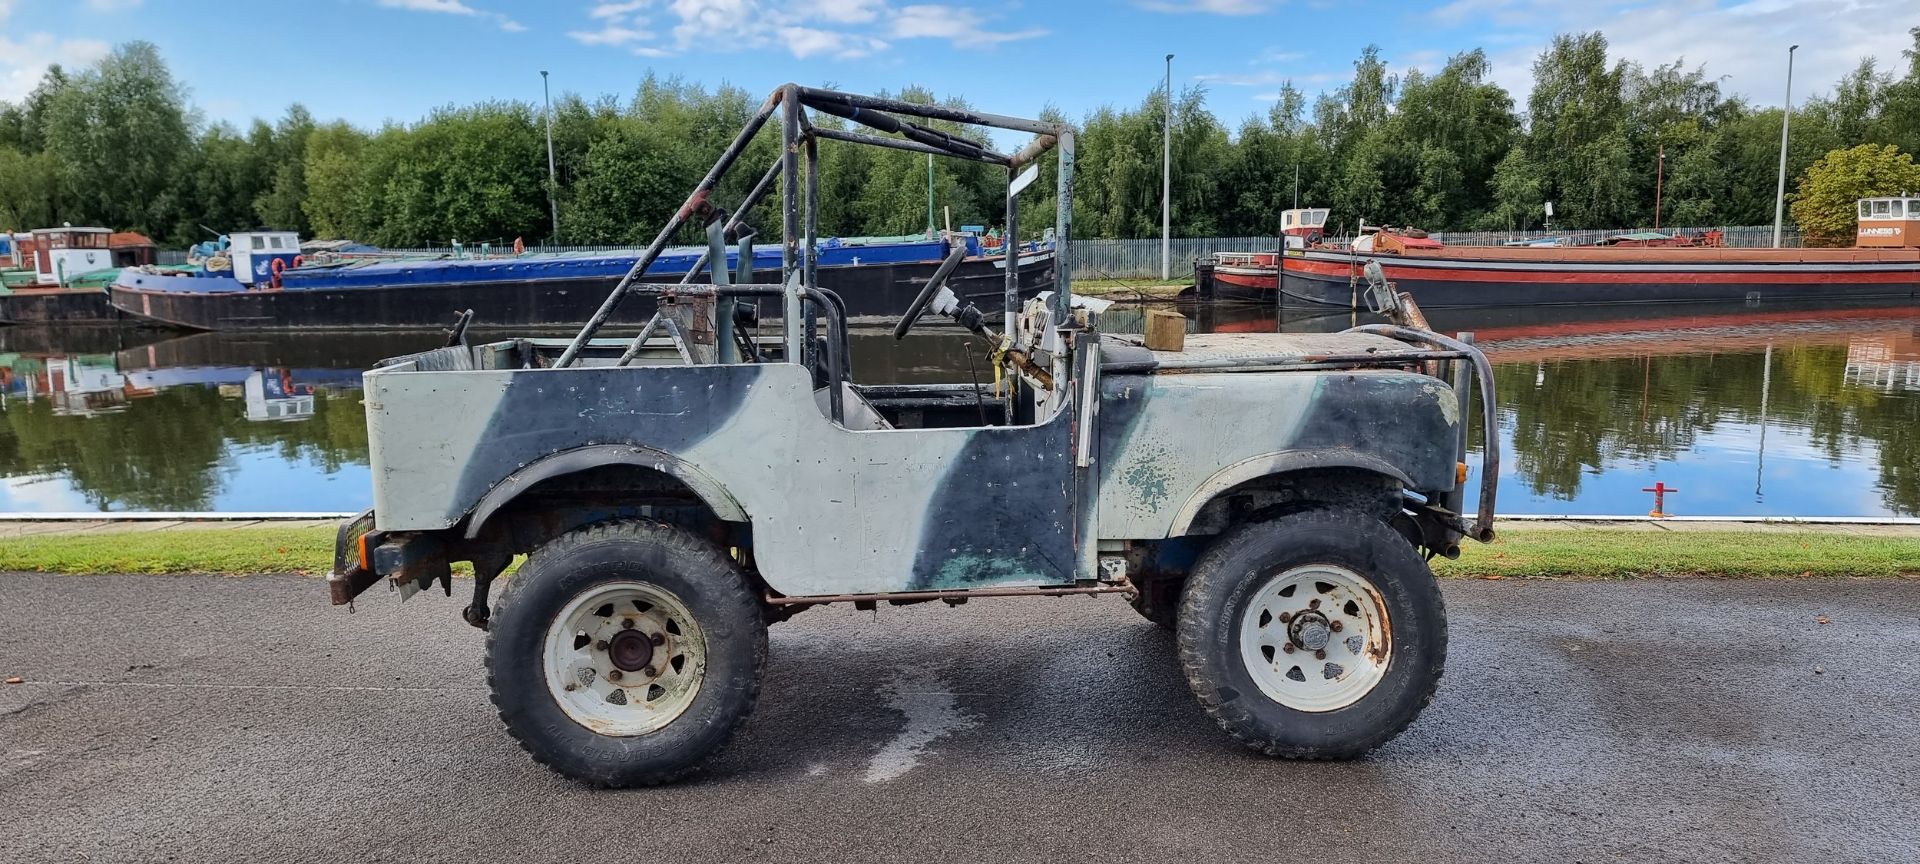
point(1166, 181)
point(553, 177)
point(1786, 114)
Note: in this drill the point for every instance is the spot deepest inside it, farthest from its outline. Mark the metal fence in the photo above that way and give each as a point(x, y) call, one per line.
point(1742, 236)
point(1140, 259)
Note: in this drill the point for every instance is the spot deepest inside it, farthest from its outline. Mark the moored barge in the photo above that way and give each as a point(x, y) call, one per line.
point(1885, 264)
point(877, 280)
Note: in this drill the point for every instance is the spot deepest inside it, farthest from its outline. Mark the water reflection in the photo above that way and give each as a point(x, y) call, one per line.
point(182, 424)
point(1746, 411)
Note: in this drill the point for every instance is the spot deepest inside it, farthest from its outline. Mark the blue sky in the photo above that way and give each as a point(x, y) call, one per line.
point(373, 60)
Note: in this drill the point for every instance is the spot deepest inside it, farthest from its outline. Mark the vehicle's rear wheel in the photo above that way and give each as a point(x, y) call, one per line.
point(626, 653)
point(1319, 635)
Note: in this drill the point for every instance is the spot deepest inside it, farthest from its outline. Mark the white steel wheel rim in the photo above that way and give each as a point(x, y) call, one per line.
point(601, 675)
point(1316, 638)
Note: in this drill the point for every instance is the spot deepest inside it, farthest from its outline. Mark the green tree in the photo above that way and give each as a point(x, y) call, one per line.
point(119, 132)
point(281, 203)
point(1825, 204)
point(336, 205)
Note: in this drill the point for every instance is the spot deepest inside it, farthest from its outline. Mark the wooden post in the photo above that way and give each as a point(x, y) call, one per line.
point(1166, 330)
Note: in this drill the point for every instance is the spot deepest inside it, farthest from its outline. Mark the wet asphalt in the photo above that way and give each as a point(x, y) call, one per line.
point(241, 719)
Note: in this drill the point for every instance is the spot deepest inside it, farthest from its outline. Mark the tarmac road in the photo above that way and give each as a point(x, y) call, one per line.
point(224, 719)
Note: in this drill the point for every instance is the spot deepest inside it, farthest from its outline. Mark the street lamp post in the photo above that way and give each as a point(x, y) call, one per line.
point(553, 177)
point(1786, 114)
point(1166, 180)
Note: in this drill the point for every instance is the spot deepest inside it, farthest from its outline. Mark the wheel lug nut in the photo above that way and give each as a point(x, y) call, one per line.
point(648, 672)
point(1314, 605)
point(626, 623)
point(1334, 626)
point(1319, 655)
point(1287, 647)
point(600, 645)
point(614, 675)
point(1285, 617)
point(657, 638)
point(572, 687)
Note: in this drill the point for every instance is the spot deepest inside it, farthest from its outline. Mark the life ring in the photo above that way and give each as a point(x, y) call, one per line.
point(519, 246)
point(299, 261)
point(278, 266)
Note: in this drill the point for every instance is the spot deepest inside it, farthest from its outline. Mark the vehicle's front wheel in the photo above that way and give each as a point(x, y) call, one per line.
point(626, 653)
point(1316, 636)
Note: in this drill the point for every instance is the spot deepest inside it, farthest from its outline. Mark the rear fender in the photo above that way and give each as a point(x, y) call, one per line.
point(714, 495)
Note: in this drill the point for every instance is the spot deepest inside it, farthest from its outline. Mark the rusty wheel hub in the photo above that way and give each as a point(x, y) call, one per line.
point(1310, 630)
point(631, 651)
point(1316, 637)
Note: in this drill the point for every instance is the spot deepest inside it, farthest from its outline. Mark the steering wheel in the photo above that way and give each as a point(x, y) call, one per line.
point(928, 292)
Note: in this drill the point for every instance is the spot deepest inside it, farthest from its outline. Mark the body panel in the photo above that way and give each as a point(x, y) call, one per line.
point(833, 510)
point(1168, 442)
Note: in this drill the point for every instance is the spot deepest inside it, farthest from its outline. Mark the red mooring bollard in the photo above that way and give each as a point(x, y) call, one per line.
point(1659, 490)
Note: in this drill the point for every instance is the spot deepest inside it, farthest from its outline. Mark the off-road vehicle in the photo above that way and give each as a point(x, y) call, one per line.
point(1272, 498)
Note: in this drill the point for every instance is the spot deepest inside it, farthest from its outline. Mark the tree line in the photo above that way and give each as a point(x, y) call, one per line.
point(120, 144)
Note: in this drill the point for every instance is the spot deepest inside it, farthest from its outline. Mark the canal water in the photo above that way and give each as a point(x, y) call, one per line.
point(1746, 410)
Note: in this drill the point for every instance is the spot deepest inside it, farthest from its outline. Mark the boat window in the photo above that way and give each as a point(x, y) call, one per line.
point(275, 242)
point(1289, 219)
point(259, 242)
point(1881, 207)
point(1896, 209)
point(1865, 211)
point(1913, 208)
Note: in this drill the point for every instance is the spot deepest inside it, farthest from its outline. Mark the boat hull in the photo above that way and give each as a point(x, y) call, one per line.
point(872, 292)
point(1331, 278)
point(58, 306)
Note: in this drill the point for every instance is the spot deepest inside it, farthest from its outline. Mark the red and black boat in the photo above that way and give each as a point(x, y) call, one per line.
point(1884, 264)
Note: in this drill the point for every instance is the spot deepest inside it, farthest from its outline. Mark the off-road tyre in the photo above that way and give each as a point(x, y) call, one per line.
point(712, 589)
point(1241, 562)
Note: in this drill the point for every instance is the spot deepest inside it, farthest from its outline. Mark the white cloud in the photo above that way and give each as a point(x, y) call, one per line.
point(847, 11)
point(804, 42)
point(448, 7)
point(24, 61)
point(957, 25)
point(616, 10)
point(840, 29)
point(451, 7)
point(1207, 7)
point(610, 34)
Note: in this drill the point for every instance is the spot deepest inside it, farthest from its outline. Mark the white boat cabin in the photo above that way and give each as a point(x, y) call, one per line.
point(1889, 223)
point(253, 254)
point(59, 254)
point(1303, 226)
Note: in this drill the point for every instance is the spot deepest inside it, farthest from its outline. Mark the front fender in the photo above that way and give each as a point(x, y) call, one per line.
point(710, 491)
point(1267, 464)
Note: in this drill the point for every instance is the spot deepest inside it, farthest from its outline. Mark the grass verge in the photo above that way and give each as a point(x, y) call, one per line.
point(1521, 552)
point(262, 549)
point(1611, 553)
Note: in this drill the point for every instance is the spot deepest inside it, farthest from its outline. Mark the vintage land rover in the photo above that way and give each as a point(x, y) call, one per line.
point(1272, 498)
